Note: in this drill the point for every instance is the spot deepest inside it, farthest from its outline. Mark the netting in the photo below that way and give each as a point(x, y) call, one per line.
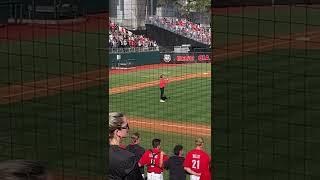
point(52, 88)
point(147, 40)
point(265, 94)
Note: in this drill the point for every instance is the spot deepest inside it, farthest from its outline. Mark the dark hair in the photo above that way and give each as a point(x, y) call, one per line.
point(161, 76)
point(156, 143)
point(135, 136)
point(23, 170)
point(177, 149)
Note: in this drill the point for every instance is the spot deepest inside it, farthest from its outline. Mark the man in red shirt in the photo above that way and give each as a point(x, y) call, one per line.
point(197, 162)
point(162, 85)
point(153, 159)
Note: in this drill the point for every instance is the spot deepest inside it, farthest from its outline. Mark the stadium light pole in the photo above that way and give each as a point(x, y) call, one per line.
point(151, 8)
point(147, 16)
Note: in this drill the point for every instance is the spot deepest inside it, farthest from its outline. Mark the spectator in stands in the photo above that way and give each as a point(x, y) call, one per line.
point(184, 27)
point(175, 164)
point(136, 149)
point(23, 170)
point(122, 163)
point(120, 37)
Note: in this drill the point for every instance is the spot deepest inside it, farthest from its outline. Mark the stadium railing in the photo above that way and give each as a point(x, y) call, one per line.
point(135, 49)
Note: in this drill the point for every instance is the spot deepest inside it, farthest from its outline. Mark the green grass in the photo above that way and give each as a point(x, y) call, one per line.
point(45, 58)
point(190, 102)
point(66, 130)
point(266, 110)
point(250, 24)
point(148, 75)
point(168, 141)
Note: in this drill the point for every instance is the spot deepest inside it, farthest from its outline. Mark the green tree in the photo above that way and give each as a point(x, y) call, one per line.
point(188, 6)
point(198, 5)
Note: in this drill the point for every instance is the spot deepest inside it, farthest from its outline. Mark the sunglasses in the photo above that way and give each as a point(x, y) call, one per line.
point(125, 127)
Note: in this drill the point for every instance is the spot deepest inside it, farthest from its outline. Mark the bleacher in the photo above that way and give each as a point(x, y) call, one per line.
point(123, 40)
point(183, 27)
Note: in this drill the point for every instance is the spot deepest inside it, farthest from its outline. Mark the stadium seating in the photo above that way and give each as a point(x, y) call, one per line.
point(183, 27)
point(120, 37)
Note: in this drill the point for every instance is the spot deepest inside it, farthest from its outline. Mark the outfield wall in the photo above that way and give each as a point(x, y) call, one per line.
point(182, 58)
point(138, 58)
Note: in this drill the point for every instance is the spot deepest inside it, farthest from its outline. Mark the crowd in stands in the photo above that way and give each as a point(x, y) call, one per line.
point(120, 37)
point(184, 27)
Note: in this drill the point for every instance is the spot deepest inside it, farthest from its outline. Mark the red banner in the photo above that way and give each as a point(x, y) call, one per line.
point(204, 58)
point(184, 58)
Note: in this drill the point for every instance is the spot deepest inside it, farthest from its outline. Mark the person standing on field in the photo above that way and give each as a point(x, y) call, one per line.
point(123, 165)
point(197, 162)
point(162, 84)
point(175, 164)
point(136, 149)
point(153, 159)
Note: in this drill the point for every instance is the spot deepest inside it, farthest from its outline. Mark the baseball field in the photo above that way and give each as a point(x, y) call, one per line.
point(53, 96)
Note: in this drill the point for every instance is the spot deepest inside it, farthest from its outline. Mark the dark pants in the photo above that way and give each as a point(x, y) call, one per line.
point(162, 96)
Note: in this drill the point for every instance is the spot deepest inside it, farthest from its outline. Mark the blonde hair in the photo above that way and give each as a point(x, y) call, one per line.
point(199, 141)
point(116, 120)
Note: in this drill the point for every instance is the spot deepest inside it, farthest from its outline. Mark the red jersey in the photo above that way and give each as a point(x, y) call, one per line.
point(163, 82)
point(205, 175)
point(152, 160)
point(198, 161)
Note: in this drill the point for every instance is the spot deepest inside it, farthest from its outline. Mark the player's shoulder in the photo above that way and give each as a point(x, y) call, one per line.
point(193, 151)
point(205, 154)
point(120, 154)
point(140, 147)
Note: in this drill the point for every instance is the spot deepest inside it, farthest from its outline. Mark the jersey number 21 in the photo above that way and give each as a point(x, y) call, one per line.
point(195, 164)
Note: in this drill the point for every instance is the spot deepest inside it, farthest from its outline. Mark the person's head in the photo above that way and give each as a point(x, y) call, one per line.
point(199, 142)
point(156, 143)
point(118, 126)
point(178, 150)
point(161, 76)
point(135, 138)
point(23, 170)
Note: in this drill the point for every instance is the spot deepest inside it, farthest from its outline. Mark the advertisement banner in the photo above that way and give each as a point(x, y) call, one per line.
point(178, 58)
point(203, 57)
point(185, 58)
